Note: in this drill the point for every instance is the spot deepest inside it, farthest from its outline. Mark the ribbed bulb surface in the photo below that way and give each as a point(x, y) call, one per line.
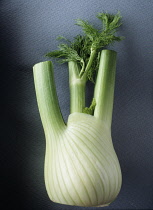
point(81, 166)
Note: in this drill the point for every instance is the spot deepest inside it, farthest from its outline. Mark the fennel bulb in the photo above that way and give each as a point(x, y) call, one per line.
point(81, 166)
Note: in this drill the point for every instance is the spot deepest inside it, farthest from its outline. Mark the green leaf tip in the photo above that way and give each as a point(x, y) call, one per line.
point(90, 110)
point(110, 21)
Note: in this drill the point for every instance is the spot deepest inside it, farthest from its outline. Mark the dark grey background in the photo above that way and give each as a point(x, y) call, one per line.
point(28, 30)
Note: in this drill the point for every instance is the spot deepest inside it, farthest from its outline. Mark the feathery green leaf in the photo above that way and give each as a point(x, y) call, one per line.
point(79, 50)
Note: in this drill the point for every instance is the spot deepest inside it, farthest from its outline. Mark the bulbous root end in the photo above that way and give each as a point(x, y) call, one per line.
point(85, 170)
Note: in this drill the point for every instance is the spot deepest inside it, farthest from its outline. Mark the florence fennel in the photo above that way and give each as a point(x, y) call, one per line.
point(81, 166)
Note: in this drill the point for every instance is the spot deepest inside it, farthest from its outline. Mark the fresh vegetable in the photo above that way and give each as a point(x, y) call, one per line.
point(81, 166)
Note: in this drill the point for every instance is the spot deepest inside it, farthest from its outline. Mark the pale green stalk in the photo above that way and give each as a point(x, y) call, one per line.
point(77, 88)
point(104, 88)
point(46, 97)
point(77, 83)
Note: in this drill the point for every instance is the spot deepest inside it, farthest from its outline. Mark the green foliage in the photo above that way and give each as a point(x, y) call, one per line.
point(90, 110)
point(105, 36)
point(79, 50)
point(110, 22)
point(66, 52)
point(88, 29)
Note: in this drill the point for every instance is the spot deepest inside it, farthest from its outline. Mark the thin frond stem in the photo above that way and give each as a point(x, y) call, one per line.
point(82, 69)
point(91, 58)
